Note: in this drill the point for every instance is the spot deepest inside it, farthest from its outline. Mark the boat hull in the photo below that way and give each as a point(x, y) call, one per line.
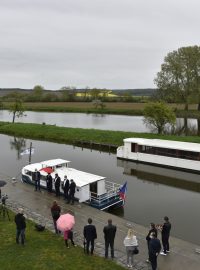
point(104, 204)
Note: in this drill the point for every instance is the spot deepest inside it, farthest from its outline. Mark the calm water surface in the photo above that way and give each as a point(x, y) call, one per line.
point(150, 196)
point(96, 121)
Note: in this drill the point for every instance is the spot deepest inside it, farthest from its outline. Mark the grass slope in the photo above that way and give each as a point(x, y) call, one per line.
point(44, 251)
point(70, 135)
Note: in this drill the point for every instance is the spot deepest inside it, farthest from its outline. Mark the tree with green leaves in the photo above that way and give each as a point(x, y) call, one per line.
point(179, 78)
point(17, 109)
point(157, 115)
point(38, 92)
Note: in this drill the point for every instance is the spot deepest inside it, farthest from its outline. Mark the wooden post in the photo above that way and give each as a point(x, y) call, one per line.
point(30, 152)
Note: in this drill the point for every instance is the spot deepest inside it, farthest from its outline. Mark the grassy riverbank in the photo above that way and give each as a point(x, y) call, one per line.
point(121, 108)
point(71, 135)
point(44, 251)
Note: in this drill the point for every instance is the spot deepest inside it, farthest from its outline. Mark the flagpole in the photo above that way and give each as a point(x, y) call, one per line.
point(30, 152)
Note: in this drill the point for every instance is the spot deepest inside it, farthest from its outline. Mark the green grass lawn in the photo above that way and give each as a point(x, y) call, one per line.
point(71, 135)
point(44, 250)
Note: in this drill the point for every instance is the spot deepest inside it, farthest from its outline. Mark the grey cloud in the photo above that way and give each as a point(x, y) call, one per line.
point(103, 43)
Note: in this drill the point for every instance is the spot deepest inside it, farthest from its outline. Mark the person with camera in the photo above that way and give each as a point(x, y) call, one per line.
point(20, 222)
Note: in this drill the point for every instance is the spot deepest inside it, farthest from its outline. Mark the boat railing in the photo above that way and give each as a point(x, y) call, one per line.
point(112, 193)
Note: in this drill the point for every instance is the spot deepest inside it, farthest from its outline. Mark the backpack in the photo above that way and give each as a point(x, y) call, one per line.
point(39, 227)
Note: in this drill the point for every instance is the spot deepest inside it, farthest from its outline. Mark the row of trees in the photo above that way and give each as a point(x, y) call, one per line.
point(178, 81)
point(68, 93)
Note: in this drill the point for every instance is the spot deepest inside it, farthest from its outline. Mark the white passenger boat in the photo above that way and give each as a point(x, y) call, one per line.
point(171, 154)
point(90, 188)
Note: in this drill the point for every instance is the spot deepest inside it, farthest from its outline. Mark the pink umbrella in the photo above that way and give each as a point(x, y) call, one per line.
point(65, 222)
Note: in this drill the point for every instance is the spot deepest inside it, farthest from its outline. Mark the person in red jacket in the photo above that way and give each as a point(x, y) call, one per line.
point(55, 212)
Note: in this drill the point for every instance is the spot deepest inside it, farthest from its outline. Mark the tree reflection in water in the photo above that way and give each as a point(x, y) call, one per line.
point(18, 144)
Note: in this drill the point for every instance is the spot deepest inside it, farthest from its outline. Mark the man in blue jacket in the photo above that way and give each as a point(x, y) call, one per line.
point(154, 250)
point(90, 235)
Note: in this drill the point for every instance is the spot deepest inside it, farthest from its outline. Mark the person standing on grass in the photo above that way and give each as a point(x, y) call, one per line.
point(154, 250)
point(152, 230)
point(109, 236)
point(55, 212)
point(69, 235)
point(20, 222)
point(165, 233)
point(90, 235)
point(57, 185)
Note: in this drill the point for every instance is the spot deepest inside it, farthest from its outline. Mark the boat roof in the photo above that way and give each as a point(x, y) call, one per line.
point(81, 178)
point(54, 162)
point(185, 146)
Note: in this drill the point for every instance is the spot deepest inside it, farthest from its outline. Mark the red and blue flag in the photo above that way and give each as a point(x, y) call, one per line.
point(122, 191)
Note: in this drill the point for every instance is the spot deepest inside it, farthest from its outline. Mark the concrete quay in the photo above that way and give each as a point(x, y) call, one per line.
point(183, 255)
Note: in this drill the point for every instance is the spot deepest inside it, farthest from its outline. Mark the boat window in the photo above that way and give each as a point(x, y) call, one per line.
point(93, 189)
point(59, 166)
point(28, 172)
point(133, 147)
point(43, 177)
point(169, 152)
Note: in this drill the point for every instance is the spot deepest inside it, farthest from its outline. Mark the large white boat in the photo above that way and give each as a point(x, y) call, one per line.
point(90, 188)
point(171, 154)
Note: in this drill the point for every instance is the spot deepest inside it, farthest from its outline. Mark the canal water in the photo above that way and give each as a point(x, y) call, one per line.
point(152, 192)
point(96, 121)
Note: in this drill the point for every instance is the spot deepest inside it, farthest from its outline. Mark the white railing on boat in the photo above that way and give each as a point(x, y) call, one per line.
point(112, 190)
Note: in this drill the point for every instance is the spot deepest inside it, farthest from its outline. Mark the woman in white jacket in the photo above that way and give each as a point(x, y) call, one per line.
point(130, 242)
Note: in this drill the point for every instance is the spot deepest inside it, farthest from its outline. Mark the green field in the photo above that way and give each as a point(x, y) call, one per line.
point(44, 251)
point(123, 108)
point(71, 135)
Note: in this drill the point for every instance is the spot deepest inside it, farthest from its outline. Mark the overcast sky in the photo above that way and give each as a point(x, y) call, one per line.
point(97, 43)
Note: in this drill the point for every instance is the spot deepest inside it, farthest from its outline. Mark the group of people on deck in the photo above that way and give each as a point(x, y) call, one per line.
point(68, 186)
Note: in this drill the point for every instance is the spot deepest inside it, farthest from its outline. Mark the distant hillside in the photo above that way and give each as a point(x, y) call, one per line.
point(134, 92)
point(6, 91)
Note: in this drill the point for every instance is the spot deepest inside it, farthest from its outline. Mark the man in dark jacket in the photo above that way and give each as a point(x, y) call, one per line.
point(72, 190)
point(20, 226)
point(66, 187)
point(152, 230)
point(49, 182)
point(154, 250)
point(90, 235)
point(57, 184)
point(109, 236)
point(55, 212)
point(36, 177)
point(166, 228)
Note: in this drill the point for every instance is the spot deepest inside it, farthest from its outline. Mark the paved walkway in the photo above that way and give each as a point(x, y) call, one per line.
point(37, 207)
